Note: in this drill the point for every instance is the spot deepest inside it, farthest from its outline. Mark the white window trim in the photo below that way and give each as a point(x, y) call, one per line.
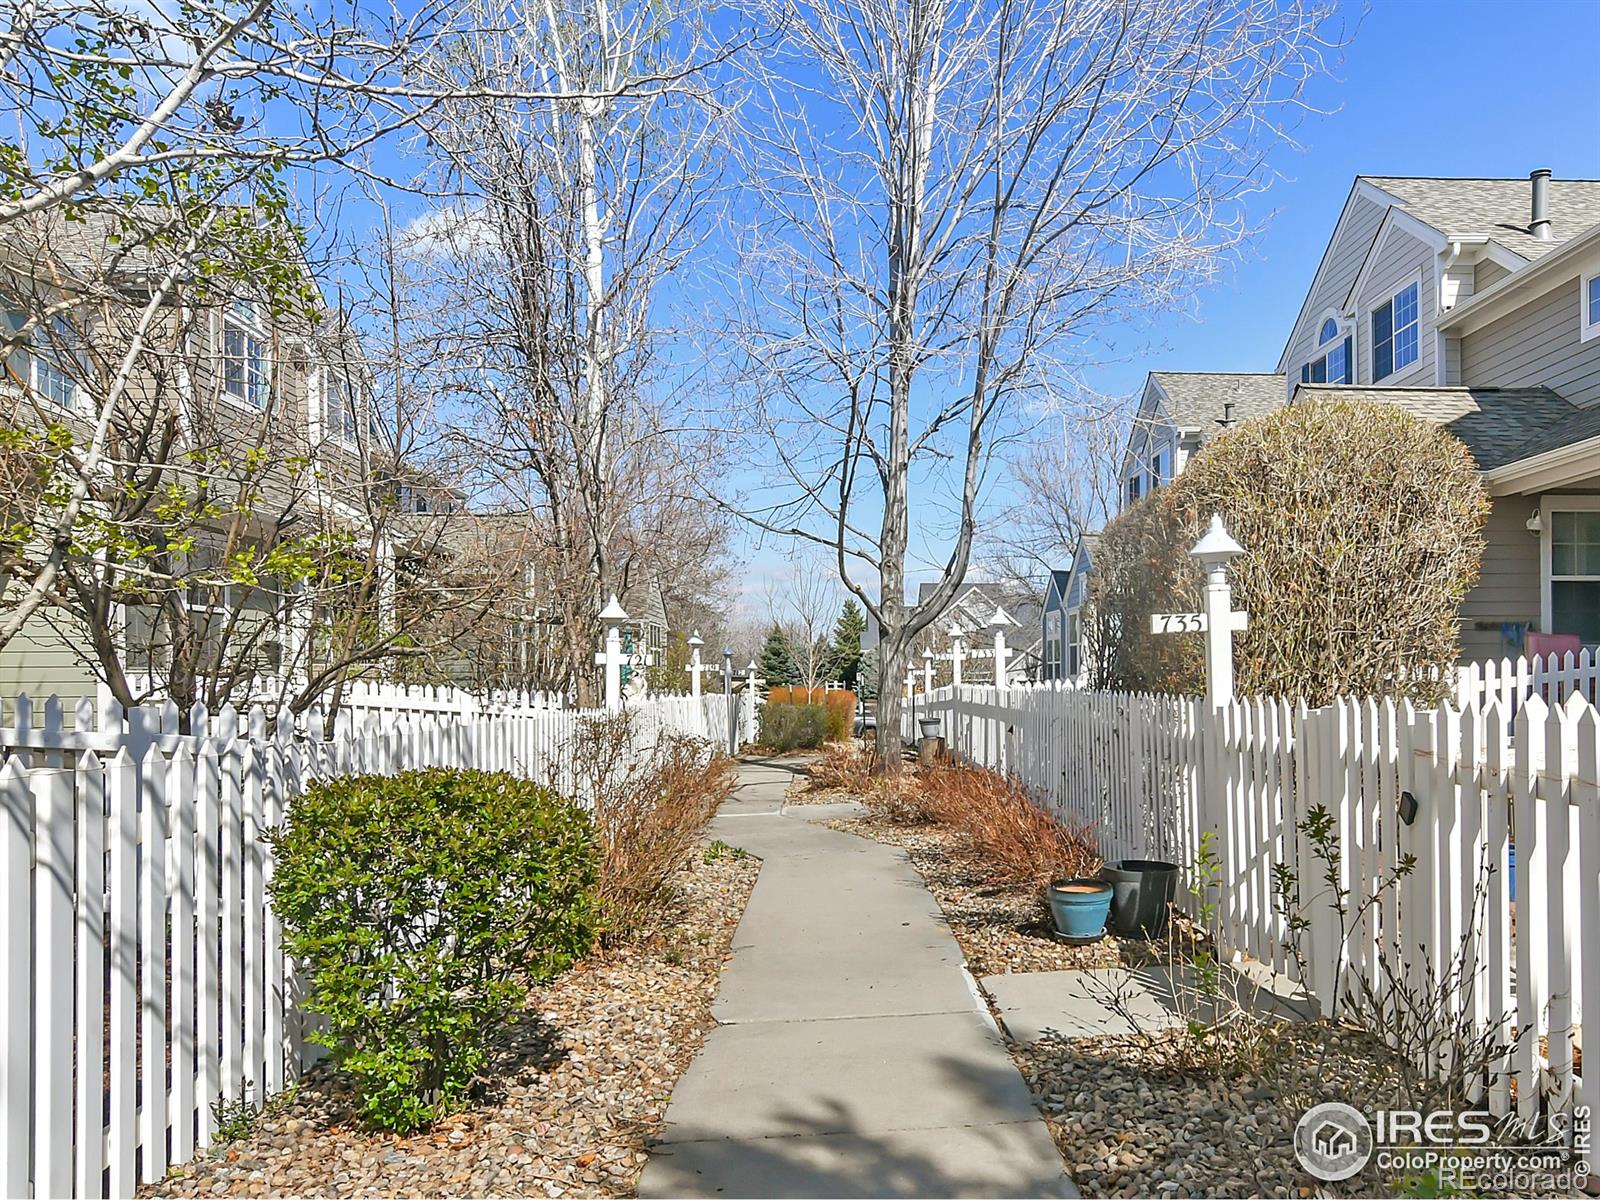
point(1548, 506)
point(1345, 324)
point(1372, 351)
point(35, 352)
point(1588, 330)
point(325, 430)
point(254, 328)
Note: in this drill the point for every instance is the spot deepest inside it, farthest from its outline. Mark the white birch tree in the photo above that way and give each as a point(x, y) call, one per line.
point(953, 200)
point(568, 212)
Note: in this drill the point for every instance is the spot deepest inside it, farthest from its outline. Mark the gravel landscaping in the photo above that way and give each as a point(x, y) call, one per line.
point(579, 1084)
point(1133, 1117)
point(1001, 929)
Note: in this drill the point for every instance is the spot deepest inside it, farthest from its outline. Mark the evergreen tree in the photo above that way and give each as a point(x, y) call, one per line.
point(845, 657)
point(776, 664)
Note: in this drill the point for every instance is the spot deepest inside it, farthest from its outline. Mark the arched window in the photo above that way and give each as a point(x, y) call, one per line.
point(1337, 363)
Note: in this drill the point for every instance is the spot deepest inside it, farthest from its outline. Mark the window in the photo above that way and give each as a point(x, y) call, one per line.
point(339, 417)
point(1336, 364)
point(1055, 666)
point(1394, 333)
point(51, 350)
point(244, 355)
point(1575, 574)
point(1158, 468)
point(1589, 325)
point(1135, 486)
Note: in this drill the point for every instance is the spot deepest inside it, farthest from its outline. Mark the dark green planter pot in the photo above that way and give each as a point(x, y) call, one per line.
point(1141, 890)
point(1079, 908)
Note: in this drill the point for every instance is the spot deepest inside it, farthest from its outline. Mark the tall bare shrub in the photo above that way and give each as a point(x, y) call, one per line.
point(649, 812)
point(1363, 532)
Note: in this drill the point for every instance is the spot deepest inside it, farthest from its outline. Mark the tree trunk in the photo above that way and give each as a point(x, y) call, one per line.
point(892, 649)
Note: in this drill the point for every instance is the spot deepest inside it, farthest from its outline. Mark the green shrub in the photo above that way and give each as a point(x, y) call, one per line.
point(838, 705)
point(784, 727)
point(1362, 528)
point(421, 905)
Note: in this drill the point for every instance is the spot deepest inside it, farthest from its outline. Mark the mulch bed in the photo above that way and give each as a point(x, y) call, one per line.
point(580, 1082)
point(1129, 1121)
point(1001, 928)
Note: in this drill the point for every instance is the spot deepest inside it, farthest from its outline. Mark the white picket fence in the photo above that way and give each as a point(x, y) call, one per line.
point(1501, 910)
point(142, 978)
point(1552, 678)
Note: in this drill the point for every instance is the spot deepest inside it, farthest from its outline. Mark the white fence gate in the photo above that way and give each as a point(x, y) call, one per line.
point(142, 977)
point(1499, 814)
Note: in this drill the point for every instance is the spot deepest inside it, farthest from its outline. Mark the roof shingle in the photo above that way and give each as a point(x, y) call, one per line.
point(1498, 425)
point(1196, 399)
point(1500, 208)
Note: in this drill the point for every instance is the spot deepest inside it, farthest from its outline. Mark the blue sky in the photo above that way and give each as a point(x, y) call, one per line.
point(1490, 88)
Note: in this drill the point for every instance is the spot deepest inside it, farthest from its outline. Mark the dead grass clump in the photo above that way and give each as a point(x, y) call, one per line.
point(649, 813)
point(1020, 842)
point(898, 799)
point(842, 766)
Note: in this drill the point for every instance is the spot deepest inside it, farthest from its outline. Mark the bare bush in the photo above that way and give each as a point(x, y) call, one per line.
point(1362, 528)
point(1021, 842)
point(649, 811)
point(842, 766)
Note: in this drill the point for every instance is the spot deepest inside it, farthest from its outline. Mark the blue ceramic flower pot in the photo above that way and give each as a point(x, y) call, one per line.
point(1080, 908)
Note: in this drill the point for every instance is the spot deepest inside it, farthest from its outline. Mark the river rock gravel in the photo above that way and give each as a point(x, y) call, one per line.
point(580, 1081)
point(1138, 1117)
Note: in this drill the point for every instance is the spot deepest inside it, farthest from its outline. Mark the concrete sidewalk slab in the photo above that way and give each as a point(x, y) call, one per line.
point(1075, 1004)
point(852, 1056)
point(852, 1076)
point(1118, 1001)
point(958, 1161)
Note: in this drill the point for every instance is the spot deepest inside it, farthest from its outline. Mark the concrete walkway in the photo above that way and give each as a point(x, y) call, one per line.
point(852, 1056)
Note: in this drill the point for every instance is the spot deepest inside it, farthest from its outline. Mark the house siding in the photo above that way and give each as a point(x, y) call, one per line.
point(1401, 259)
point(1343, 265)
point(1537, 344)
point(1487, 274)
point(41, 661)
point(1507, 590)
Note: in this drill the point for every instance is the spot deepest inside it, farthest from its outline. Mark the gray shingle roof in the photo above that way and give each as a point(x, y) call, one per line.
point(1500, 208)
point(1498, 425)
point(1196, 398)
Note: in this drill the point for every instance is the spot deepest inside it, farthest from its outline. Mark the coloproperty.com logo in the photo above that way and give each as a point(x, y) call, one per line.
point(1470, 1150)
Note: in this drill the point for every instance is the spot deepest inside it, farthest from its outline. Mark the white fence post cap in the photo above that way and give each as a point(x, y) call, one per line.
point(1218, 546)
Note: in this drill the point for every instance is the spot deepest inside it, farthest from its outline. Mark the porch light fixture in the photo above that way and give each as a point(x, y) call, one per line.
point(1535, 523)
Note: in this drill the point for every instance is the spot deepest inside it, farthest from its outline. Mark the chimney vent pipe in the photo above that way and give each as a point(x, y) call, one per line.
point(1539, 226)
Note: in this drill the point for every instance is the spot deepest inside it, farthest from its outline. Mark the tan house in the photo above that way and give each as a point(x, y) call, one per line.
point(238, 430)
point(1474, 303)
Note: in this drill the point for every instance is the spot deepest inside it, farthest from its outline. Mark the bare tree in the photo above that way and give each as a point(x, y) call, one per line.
point(182, 127)
point(572, 210)
point(243, 535)
point(1065, 482)
point(953, 199)
point(803, 604)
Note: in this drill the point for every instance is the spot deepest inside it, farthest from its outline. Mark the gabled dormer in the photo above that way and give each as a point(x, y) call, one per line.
point(1179, 411)
point(1406, 251)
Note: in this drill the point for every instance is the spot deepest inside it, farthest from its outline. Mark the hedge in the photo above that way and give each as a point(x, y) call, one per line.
point(1362, 528)
point(838, 704)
